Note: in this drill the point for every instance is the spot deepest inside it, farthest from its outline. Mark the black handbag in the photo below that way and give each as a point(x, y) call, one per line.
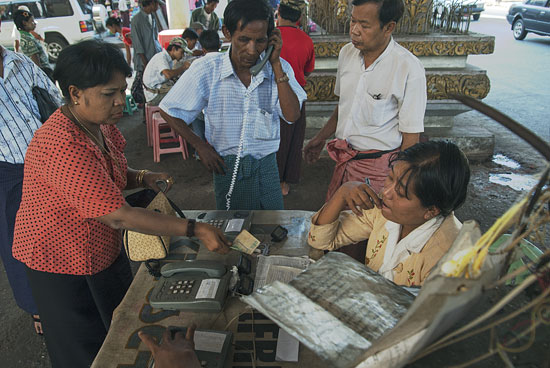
point(46, 105)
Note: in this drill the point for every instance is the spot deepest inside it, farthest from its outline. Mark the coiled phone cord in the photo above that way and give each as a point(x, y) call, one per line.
point(239, 152)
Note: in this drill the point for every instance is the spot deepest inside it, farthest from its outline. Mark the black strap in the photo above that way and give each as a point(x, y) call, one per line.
point(364, 156)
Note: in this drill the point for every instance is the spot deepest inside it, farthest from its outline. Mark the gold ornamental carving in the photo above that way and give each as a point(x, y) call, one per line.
point(439, 86)
point(449, 47)
point(422, 47)
point(327, 49)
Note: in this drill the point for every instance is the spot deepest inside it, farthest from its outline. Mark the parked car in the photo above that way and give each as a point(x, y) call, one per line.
point(531, 16)
point(460, 8)
point(61, 22)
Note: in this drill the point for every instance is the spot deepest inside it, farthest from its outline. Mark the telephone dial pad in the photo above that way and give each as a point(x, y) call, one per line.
point(180, 290)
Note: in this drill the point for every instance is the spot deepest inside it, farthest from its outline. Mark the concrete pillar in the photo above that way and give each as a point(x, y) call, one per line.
point(178, 13)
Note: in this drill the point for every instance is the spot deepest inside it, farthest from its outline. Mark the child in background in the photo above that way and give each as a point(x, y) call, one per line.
point(115, 26)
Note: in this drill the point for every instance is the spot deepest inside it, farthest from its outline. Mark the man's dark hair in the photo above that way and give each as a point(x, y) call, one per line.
point(88, 64)
point(171, 47)
point(212, 1)
point(146, 3)
point(21, 16)
point(388, 10)
point(439, 174)
point(288, 13)
point(113, 21)
point(190, 33)
point(210, 40)
point(246, 11)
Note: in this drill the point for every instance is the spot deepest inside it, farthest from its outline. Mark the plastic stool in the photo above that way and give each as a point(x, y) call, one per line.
point(163, 138)
point(149, 111)
point(131, 105)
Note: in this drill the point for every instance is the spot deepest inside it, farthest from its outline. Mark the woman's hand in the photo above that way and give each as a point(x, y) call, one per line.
point(173, 352)
point(358, 196)
point(151, 179)
point(212, 238)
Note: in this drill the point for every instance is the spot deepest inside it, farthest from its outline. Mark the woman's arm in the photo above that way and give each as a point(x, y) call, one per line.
point(35, 59)
point(354, 195)
point(147, 179)
point(128, 53)
point(154, 223)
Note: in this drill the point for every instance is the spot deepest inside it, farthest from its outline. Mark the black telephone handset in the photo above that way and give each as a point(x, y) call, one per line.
point(256, 68)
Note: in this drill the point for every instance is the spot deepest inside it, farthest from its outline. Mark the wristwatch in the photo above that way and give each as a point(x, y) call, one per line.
point(190, 228)
point(283, 79)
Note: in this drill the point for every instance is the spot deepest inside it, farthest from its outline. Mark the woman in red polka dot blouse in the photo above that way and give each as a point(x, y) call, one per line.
point(68, 228)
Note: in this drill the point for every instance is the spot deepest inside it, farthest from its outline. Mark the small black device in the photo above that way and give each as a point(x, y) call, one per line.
point(279, 234)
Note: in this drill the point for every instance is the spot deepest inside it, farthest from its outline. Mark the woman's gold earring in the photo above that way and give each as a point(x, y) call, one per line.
point(76, 102)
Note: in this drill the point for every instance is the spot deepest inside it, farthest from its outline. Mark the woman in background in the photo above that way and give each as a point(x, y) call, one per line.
point(29, 44)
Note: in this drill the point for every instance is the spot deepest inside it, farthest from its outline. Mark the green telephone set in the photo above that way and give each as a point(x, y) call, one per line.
point(195, 286)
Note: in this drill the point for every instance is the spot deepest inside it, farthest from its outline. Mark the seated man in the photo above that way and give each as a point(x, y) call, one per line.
point(412, 225)
point(158, 75)
point(192, 39)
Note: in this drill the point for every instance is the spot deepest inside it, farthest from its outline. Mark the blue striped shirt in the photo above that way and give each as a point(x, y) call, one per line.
point(211, 84)
point(19, 116)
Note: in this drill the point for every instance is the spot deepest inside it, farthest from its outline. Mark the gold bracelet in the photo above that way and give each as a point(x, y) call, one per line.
point(139, 177)
point(283, 79)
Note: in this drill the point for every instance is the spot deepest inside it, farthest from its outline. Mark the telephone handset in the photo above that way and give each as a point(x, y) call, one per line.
point(256, 68)
point(195, 286)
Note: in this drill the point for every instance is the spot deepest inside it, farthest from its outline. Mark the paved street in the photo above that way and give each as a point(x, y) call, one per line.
point(520, 87)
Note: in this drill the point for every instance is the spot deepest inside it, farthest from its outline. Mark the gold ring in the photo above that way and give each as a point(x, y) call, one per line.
point(170, 181)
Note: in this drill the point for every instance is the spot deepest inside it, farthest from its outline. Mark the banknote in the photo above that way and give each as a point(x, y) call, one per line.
point(245, 242)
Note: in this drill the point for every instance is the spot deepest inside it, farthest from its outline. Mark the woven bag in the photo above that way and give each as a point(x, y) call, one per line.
point(144, 247)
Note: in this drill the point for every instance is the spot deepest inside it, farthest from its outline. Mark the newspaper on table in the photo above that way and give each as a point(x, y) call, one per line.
point(337, 307)
point(278, 268)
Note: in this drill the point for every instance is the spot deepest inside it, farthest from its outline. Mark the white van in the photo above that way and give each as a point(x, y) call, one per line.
point(61, 22)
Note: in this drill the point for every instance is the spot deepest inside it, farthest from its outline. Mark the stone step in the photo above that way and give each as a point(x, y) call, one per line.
point(477, 142)
point(439, 113)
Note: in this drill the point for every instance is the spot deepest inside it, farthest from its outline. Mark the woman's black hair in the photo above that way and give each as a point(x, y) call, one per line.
point(246, 11)
point(88, 64)
point(21, 16)
point(113, 21)
point(439, 174)
point(190, 33)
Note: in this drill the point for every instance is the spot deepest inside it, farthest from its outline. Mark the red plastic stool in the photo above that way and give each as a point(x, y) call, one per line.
point(160, 138)
point(149, 111)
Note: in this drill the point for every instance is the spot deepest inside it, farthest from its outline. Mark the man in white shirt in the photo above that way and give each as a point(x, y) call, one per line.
point(382, 98)
point(158, 75)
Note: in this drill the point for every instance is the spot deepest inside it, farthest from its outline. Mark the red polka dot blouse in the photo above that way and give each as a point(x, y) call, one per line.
point(68, 182)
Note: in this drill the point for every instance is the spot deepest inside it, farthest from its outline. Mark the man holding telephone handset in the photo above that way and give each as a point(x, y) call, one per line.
point(242, 106)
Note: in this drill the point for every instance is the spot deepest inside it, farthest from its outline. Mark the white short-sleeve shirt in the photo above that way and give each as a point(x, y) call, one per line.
point(152, 75)
point(380, 102)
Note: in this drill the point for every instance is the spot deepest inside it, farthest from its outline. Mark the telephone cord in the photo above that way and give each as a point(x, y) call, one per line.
point(239, 152)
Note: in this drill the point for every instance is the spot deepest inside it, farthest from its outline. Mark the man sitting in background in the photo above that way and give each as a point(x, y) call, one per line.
point(158, 75)
point(192, 39)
